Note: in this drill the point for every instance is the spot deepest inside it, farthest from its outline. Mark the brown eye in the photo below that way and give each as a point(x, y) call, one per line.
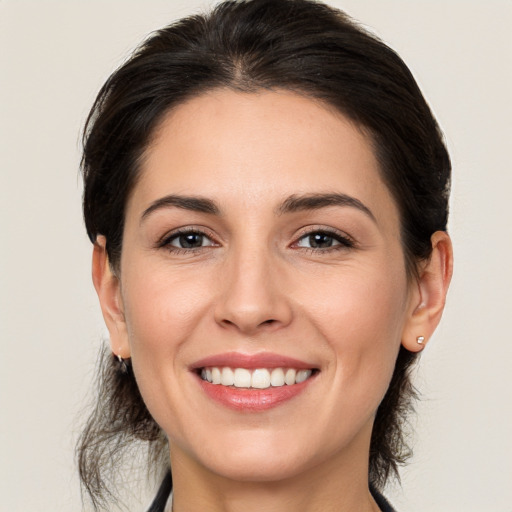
point(323, 240)
point(320, 241)
point(190, 240)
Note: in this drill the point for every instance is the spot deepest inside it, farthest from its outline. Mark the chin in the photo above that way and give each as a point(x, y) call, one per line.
point(263, 466)
point(275, 455)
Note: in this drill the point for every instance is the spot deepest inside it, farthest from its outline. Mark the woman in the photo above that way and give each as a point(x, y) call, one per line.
point(266, 191)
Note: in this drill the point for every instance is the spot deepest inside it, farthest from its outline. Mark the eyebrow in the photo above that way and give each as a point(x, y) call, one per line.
point(291, 204)
point(297, 203)
point(192, 203)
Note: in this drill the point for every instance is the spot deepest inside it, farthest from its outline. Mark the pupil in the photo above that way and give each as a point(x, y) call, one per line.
point(191, 240)
point(319, 240)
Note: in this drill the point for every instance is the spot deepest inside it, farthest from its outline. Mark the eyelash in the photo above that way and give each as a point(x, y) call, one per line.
point(344, 242)
point(165, 242)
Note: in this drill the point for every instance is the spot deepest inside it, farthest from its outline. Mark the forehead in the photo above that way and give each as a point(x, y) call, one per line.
point(258, 148)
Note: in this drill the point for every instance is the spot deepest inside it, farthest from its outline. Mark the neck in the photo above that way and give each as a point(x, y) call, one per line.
point(337, 485)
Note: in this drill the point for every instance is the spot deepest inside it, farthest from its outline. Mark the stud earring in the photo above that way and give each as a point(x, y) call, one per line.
point(420, 340)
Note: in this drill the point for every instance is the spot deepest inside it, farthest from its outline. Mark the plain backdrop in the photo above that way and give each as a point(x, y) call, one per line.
point(54, 56)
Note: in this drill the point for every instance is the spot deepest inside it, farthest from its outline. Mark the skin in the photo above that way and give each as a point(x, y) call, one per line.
point(256, 285)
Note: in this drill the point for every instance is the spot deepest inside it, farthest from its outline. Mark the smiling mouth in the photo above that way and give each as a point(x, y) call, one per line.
point(258, 378)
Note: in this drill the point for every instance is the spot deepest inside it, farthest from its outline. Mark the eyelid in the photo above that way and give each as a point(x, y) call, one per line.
point(165, 240)
point(344, 239)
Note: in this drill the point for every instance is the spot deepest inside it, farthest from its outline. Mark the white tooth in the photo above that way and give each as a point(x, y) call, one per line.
point(216, 376)
point(227, 377)
point(277, 377)
point(208, 375)
point(203, 374)
point(289, 378)
point(302, 375)
point(260, 378)
point(242, 378)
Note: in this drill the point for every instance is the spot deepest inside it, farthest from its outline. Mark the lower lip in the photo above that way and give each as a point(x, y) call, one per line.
point(250, 399)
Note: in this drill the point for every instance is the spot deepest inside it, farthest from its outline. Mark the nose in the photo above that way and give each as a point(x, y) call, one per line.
point(253, 295)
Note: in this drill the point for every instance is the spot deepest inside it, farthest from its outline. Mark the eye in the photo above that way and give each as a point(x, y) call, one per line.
point(319, 240)
point(189, 239)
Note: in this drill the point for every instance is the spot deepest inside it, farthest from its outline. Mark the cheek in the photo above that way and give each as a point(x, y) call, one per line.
point(162, 308)
point(162, 311)
point(361, 317)
point(367, 304)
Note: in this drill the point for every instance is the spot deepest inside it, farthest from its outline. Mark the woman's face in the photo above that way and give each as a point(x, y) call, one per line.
point(261, 245)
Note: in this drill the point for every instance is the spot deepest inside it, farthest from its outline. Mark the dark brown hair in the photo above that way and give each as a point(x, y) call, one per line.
point(297, 45)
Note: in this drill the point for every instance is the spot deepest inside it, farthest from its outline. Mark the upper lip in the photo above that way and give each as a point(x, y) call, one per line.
point(251, 361)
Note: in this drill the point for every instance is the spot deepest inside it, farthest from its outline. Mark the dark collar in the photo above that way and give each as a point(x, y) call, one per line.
point(162, 495)
point(382, 502)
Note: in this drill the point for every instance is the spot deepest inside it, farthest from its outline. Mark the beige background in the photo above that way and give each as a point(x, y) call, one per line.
point(54, 56)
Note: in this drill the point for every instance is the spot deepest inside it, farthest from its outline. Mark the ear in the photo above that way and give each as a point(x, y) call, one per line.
point(108, 289)
point(428, 294)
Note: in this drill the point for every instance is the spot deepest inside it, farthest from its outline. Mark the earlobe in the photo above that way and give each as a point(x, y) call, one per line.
point(108, 289)
point(429, 295)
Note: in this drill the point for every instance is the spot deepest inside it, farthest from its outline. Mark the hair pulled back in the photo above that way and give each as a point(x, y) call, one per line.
point(250, 45)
